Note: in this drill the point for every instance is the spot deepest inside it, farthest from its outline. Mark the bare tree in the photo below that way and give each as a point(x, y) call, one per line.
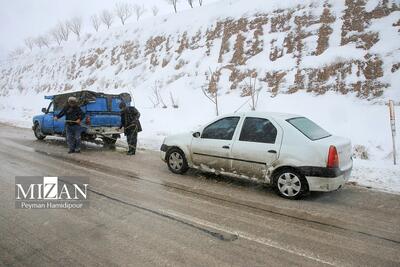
point(174, 101)
point(173, 3)
point(63, 30)
point(75, 25)
point(200, 2)
point(123, 11)
point(154, 10)
point(190, 2)
point(42, 41)
point(107, 18)
point(211, 89)
point(95, 22)
point(156, 99)
point(250, 90)
point(139, 11)
point(29, 42)
point(56, 35)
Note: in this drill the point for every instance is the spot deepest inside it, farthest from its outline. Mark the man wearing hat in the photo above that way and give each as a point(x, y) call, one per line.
point(130, 121)
point(73, 117)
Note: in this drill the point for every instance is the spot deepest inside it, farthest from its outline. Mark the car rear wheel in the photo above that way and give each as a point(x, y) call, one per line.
point(38, 132)
point(176, 161)
point(290, 184)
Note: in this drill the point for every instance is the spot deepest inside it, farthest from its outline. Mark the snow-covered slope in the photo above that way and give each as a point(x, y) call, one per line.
point(334, 61)
point(314, 46)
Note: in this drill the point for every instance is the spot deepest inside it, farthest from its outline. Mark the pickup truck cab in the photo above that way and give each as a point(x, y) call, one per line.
point(290, 152)
point(102, 116)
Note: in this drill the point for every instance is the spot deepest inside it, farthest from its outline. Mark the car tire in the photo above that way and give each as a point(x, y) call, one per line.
point(38, 132)
point(176, 161)
point(290, 183)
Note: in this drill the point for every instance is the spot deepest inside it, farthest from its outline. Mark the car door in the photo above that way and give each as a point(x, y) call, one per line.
point(256, 147)
point(59, 125)
point(48, 121)
point(212, 148)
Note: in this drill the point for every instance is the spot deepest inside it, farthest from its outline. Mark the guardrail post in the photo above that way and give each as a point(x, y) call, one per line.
point(393, 126)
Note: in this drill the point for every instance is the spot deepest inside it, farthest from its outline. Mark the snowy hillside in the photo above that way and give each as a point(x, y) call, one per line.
point(336, 62)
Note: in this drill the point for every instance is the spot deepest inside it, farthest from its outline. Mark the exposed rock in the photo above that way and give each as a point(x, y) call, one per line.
point(276, 45)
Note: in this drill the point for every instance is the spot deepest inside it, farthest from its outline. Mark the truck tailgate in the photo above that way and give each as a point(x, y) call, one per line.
point(104, 120)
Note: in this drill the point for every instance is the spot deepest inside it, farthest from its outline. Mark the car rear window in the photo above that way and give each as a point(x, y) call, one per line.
point(309, 128)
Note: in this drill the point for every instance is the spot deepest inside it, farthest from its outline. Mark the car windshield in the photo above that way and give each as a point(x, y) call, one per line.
point(309, 128)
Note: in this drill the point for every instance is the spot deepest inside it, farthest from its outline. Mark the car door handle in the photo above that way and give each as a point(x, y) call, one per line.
point(225, 147)
point(272, 151)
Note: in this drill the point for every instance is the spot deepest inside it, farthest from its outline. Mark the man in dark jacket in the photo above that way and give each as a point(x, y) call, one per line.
point(73, 117)
point(130, 121)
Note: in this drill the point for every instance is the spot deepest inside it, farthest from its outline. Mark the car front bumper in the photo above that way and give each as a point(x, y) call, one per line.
point(163, 151)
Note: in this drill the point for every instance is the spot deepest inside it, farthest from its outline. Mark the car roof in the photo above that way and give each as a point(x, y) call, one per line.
point(279, 115)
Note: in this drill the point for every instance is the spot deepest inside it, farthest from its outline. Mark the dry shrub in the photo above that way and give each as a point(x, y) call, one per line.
point(180, 64)
point(276, 52)
point(238, 56)
point(280, 21)
point(153, 44)
point(397, 24)
point(274, 80)
point(360, 152)
point(231, 28)
point(238, 76)
point(395, 67)
point(183, 43)
point(195, 40)
point(325, 31)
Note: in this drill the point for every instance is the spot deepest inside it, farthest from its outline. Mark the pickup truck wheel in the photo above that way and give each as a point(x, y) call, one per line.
point(176, 161)
point(290, 184)
point(38, 132)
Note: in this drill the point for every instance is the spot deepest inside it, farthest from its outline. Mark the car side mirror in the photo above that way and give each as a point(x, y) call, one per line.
point(196, 134)
point(44, 110)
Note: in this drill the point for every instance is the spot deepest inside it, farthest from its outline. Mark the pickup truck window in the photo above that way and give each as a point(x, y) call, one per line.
point(50, 107)
point(222, 129)
point(309, 128)
point(258, 130)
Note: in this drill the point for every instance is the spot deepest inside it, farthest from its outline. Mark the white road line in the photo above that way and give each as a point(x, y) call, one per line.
point(260, 240)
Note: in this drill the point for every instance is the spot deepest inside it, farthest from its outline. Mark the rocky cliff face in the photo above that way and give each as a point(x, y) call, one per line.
point(350, 46)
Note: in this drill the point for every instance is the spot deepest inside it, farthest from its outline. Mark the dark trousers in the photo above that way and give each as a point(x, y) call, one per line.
point(73, 137)
point(131, 138)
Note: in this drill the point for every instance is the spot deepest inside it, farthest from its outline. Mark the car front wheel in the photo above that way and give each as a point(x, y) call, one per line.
point(176, 161)
point(38, 132)
point(290, 184)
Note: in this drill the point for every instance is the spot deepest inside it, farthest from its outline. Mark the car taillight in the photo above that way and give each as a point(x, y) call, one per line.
point(87, 120)
point(333, 158)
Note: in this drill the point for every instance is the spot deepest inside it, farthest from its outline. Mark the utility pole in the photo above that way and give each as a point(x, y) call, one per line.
point(393, 126)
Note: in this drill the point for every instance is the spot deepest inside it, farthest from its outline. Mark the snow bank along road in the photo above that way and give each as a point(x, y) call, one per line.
point(141, 214)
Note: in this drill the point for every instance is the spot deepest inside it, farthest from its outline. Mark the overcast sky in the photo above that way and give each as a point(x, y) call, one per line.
point(20, 19)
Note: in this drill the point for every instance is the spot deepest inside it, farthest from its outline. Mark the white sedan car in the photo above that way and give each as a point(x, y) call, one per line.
point(290, 152)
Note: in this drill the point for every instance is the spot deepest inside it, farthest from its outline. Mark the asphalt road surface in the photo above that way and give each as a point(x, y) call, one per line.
point(140, 214)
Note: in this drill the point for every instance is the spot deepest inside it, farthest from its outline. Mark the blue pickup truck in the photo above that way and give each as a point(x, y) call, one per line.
point(102, 116)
